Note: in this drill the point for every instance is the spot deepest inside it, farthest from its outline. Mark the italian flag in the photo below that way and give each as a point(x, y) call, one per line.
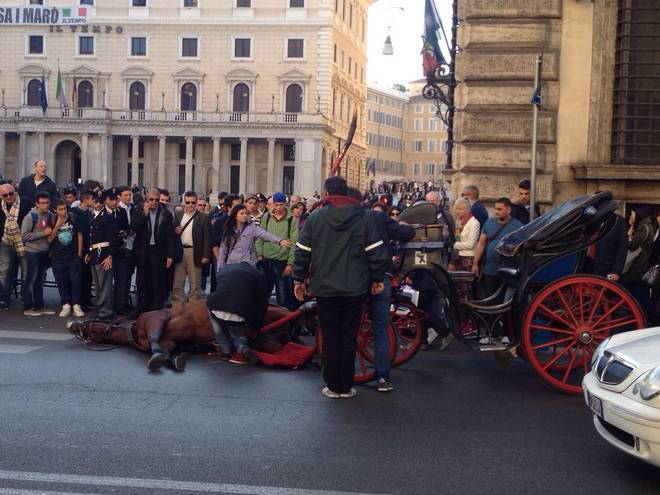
point(59, 92)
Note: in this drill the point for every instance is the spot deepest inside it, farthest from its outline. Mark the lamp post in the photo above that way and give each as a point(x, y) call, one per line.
point(272, 103)
point(3, 97)
point(162, 104)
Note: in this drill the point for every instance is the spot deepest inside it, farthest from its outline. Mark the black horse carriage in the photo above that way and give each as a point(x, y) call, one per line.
point(551, 314)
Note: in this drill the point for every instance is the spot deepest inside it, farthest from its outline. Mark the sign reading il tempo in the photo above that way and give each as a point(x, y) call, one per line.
point(44, 16)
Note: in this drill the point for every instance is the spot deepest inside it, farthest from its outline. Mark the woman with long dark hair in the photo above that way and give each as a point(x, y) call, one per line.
point(239, 236)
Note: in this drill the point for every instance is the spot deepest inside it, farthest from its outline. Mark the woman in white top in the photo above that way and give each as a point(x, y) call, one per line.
point(466, 239)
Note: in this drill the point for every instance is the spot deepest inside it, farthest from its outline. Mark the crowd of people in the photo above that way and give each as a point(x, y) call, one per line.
point(341, 253)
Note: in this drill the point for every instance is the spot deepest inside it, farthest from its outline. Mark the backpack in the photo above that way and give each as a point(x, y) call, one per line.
point(35, 220)
point(289, 221)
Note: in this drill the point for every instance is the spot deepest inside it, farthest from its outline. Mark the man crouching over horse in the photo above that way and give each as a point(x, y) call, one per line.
point(235, 312)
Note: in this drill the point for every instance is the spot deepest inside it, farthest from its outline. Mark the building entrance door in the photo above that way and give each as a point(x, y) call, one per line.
point(67, 163)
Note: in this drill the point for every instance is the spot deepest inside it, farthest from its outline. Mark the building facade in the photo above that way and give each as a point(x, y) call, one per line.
point(405, 138)
point(236, 95)
point(600, 114)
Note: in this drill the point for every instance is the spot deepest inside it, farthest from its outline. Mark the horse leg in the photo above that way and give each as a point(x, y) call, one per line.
point(159, 356)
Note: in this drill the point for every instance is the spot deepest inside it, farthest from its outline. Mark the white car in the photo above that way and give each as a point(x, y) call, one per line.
point(623, 392)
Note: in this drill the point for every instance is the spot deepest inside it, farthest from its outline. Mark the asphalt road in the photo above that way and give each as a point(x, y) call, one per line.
point(75, 421)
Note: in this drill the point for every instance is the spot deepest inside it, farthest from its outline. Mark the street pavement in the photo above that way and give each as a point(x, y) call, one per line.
point(76, 421)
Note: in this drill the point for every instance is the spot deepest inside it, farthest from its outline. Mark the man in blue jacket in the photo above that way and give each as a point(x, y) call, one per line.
point(339, 258)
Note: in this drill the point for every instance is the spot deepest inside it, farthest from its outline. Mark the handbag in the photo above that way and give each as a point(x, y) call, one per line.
point(652, 275)
point(178, 245)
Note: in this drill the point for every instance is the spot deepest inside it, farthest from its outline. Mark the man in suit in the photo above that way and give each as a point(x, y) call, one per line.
point(192, 227)
point(478, 210)
point(101, 253)
point(126, 260)
point(153, 249)
point(607, 257)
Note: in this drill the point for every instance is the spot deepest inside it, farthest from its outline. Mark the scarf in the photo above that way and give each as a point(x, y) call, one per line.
point(12, 234)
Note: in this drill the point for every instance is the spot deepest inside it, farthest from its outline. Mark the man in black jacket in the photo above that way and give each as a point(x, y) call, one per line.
point(378, 305)
point(342, 244)
point(153, 249)
point(83, 217)
point(37, 182)
point(607, 257)
point(520, 209)
point(237, 308)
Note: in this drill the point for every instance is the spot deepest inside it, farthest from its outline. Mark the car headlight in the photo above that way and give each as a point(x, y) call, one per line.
point(599, 351)
point(651, 384)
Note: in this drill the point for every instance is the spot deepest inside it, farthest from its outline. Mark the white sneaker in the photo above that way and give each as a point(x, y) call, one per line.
point(77, 311)
point(31, 312)
point(66, 311)
point(46, 311)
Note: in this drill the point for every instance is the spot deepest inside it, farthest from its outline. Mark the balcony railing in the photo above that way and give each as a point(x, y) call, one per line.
point(81, 114)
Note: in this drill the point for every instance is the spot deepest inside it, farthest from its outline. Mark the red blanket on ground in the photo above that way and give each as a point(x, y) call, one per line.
point(290, 356)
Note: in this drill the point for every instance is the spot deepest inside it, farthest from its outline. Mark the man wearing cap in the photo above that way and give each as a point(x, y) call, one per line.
point(121, 273)
point(102, 248)
point(276, 261)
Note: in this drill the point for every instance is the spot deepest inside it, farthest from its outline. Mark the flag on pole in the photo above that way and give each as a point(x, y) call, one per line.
point(43, 98)
point(74, 96)
point(372, 167)
point(59, 92)
point(432, 57)
point(536, 98)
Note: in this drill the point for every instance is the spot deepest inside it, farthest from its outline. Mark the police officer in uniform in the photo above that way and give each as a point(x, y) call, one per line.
point(102, 248)
point(121, 259)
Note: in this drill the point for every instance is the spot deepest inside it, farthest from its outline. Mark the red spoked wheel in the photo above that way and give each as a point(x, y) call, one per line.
point(568, 319)
point(407, 323)
point(365, 355)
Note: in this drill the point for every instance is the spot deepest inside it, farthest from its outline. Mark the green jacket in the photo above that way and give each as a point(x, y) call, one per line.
point(284, 229)
point(340, 250)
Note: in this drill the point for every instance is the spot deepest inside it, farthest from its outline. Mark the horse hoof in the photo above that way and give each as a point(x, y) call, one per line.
point(156, 361)
point(179, 362)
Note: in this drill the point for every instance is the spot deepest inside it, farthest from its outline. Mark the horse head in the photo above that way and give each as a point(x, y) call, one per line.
point(99, 332)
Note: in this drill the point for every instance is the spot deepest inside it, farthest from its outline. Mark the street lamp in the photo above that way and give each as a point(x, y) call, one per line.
point(162, 105)
point(3, 97)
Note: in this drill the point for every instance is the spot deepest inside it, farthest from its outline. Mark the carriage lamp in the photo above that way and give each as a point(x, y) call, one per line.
point(599, 352)
point(650, 387)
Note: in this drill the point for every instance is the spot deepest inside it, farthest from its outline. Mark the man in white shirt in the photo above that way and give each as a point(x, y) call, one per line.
point(192, 226)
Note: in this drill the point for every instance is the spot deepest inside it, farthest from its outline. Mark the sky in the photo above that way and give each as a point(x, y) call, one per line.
point(405, 27)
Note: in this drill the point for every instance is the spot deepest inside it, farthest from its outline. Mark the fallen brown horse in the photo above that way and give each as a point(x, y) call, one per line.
point(168, 334)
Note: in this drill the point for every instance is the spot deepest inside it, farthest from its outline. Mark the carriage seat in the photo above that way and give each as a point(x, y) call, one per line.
point(421, 213)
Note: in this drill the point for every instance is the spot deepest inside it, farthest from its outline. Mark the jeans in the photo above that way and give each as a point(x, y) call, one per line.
point(68, 275)
point(8, 262)
point(340, 319)
point(273, 270)
point(32, 289)
point(229, 330)
point(378, 308)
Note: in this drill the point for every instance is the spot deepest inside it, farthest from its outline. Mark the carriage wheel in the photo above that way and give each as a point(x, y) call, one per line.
point(407, 323)
point(365, 354)
point(568, 319)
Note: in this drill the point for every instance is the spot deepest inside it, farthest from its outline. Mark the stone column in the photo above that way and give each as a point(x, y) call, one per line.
point(270, 177)
point(135, 161)
point(107, 161)
point(84, 158)
point(189, 163)
point(242, 180)
point(42, 145)
point(297, 177)
point(21, 168)
point(215, 186)
point(162, 147)
point(3, 158)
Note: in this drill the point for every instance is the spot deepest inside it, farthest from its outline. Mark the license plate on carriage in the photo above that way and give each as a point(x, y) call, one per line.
point(596, 405)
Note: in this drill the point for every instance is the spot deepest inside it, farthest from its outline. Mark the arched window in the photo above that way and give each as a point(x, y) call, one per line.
point(34, 93)
point(294, 98)
point(85, 94)
point(136, 96)
point(189, 97)
point(241, 98)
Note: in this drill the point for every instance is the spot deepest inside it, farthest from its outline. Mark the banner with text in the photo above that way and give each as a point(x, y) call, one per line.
point(42, 15)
